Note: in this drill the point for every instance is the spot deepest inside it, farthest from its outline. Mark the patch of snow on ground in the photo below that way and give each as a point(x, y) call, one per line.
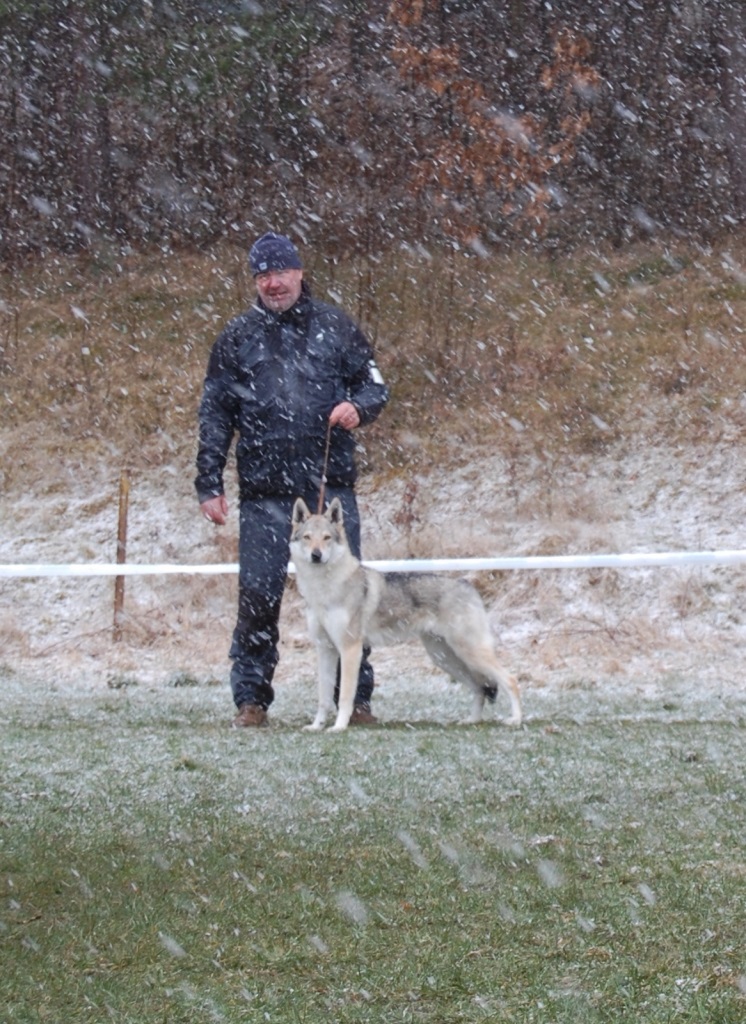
point(577, 639)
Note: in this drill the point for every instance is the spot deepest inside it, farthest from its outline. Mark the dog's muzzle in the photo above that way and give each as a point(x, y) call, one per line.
point(316, 556)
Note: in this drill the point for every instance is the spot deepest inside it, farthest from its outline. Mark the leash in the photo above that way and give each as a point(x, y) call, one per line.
point(322, 489)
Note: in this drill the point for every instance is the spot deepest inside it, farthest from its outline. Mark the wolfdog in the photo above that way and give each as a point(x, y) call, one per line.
point(349, 605)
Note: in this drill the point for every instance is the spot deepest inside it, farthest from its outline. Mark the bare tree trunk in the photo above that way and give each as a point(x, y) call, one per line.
point(731, 40)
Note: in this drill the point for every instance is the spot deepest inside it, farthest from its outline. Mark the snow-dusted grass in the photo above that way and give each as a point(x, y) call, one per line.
point(159, 866)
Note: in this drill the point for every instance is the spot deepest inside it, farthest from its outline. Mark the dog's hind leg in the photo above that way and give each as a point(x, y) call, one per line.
point(326, 656)
point(483, 666)
point(444, 657)
point(350, 657)
point(476, 666)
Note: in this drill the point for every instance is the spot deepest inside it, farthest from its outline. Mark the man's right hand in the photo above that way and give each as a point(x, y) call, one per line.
point(215, 509)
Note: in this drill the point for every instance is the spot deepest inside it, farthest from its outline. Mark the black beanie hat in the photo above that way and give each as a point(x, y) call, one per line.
point(273, 252)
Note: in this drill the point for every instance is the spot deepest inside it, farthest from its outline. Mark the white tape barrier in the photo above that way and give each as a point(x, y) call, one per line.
point(633, 560)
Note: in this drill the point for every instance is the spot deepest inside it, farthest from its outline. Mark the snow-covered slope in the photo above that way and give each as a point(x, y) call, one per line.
point(577, 639)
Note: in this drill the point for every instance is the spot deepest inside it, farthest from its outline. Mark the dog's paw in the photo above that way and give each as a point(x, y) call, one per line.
point(338, 727)
point(514, 721)
point(314, 727)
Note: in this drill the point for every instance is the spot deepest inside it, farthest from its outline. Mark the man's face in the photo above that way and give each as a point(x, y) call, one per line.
point(279, 289)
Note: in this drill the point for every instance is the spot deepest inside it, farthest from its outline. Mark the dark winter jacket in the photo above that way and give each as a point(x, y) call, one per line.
point(273, 379)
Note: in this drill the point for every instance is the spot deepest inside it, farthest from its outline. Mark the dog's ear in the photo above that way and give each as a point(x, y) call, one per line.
point(334, 512)
point(301, 512)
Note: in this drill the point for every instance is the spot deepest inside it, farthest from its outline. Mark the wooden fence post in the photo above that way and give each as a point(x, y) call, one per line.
point(124, 493)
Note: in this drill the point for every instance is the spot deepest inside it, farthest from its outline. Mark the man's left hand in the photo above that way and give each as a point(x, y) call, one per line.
point(345, 415)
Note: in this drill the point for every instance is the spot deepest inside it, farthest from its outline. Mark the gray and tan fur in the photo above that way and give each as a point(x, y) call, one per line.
point(350, 605)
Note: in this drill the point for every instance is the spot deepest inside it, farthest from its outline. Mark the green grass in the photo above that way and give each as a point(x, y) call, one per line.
point(156, 866)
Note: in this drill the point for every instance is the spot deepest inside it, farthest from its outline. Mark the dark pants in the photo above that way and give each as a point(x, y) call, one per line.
point(263, 555)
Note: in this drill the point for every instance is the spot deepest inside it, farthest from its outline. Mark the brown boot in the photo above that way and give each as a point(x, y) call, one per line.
point(362, 715)
point(250, 716)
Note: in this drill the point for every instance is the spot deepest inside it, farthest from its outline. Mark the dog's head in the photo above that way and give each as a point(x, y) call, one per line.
point(317, 538)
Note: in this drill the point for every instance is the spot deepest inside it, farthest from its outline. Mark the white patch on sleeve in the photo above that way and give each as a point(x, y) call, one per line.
point(375, 374)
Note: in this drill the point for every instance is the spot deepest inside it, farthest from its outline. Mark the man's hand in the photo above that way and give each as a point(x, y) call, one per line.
point(345, 415)
point(215, 509)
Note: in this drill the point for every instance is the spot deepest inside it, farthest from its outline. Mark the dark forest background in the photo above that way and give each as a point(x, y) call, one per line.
point(359, 125)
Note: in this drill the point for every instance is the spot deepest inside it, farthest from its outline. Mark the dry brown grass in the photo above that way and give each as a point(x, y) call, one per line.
point(523, 353)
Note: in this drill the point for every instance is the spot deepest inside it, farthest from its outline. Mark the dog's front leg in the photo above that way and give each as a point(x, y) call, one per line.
point(350, 658)
point(326, 657)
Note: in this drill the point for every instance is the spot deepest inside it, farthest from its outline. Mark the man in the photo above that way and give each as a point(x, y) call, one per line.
point(284, 375)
